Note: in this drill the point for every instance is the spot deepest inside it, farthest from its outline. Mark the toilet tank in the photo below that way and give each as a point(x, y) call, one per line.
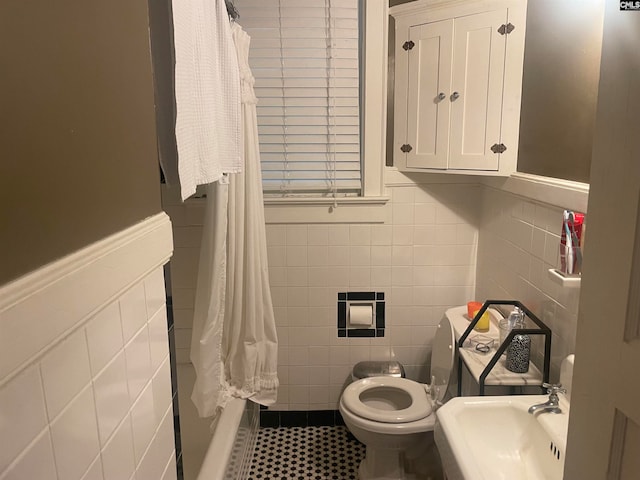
point(377, 369)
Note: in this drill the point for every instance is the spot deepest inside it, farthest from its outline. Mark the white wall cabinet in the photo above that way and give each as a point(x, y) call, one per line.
point(458, 78)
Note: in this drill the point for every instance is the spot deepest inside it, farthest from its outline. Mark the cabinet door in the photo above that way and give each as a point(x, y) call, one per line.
point(478, 70)
point(427, 112)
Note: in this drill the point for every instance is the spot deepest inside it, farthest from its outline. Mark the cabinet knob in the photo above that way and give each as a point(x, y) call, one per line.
point(455, 96)
point(441, 96)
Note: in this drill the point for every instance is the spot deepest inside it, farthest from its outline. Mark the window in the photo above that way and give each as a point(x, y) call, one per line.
point(305, 58)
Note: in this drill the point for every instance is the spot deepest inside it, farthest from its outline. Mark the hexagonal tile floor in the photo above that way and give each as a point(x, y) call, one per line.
point(319, 453)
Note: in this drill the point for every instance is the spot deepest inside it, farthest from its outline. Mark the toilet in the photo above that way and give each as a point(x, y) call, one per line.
point(394, 417)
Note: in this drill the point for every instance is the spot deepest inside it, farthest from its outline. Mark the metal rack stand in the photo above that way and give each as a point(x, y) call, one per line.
point(541, 330)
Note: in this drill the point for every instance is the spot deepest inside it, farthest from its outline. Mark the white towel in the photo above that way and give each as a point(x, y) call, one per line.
point(208, 122)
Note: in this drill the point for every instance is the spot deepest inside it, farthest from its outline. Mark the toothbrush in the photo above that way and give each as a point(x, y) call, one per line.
point(575, 243)
point(568, 246)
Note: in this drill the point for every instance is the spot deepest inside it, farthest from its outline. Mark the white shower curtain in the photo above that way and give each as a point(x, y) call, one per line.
point(234, 343)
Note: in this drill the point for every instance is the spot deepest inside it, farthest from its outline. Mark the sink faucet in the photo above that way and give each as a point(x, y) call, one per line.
point(553, 404)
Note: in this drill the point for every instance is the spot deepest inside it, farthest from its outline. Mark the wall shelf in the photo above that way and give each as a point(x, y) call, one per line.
point(489, 369)
point(564, 280)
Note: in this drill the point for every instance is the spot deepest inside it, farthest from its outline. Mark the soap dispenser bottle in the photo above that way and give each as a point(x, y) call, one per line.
point(514, 320)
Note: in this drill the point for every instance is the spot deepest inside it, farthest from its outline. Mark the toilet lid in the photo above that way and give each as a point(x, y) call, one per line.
point(387, 399)
point(442, 358)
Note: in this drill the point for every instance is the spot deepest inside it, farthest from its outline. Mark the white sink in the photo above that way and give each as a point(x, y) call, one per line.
point(495, 438)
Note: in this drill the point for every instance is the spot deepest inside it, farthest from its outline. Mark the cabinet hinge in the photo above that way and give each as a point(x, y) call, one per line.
point(498, 148)
point(408, 45)
point(506, 29)
point(406, 148)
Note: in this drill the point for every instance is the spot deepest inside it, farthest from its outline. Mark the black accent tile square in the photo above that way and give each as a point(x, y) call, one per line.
point(361, 332)
point(380, 315)
point(342, 314)
point(342, 333)
point(342, 296)
point(179, 468)
point(269, 419)
point(379, 332)
point(169, 308)
point(320, 418)
point(176, 433)
point(176, 408)
point(172, 360)
point(361, 296)
point(380, 296)
point(293, 419)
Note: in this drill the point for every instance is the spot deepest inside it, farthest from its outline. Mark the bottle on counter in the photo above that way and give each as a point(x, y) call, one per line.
point(519, 350)
point(518, 353)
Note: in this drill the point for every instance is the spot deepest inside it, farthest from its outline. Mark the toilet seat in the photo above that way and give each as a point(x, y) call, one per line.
point(442, 360)
point(410, 393)
point(425, 424)
point(391, 400)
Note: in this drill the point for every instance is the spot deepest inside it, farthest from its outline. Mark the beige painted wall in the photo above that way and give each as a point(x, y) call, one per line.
point(560, 87)
point(78, 156)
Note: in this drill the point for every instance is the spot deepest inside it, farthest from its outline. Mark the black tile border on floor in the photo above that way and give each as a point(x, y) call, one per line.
point(300, 418)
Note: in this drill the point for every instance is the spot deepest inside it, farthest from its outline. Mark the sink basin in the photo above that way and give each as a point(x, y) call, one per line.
point(495, 438)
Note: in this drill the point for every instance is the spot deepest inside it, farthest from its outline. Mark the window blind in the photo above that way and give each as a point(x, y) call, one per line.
point(304, 57)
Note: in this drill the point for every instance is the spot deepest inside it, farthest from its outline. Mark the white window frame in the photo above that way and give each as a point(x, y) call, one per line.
point(369, 207)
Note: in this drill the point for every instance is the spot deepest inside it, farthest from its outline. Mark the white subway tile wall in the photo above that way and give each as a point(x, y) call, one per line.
point(424, 261)
point(97, 404)
point(519, 242)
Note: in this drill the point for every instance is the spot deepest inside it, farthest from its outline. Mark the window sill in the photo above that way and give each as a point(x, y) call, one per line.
point(323, 210)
